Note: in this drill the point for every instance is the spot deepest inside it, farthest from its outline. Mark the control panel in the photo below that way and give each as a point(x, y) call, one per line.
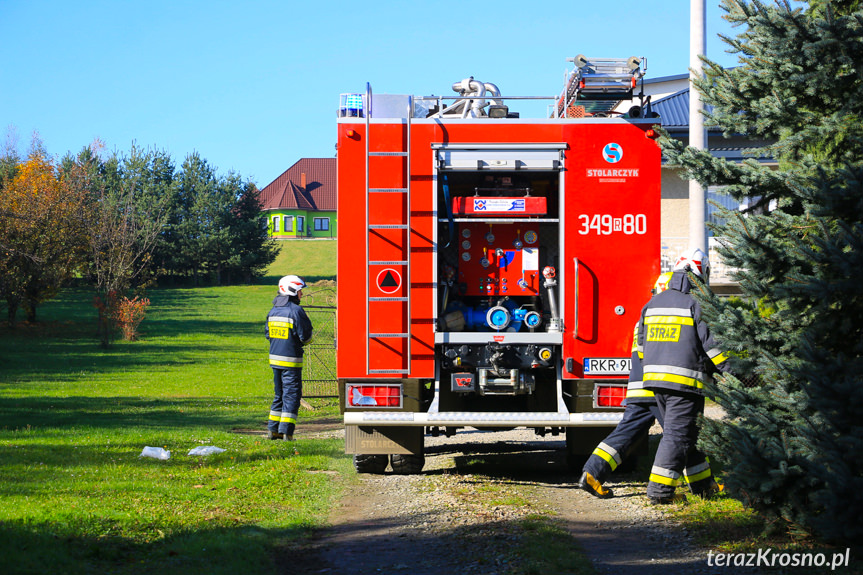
point(499, 259)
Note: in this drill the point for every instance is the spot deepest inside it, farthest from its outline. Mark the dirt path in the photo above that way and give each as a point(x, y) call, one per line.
point(464, 515)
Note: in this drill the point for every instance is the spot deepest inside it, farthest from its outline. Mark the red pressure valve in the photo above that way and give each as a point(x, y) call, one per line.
point(548, 272)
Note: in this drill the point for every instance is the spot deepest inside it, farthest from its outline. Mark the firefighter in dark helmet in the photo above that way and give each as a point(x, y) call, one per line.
point(679, 355)
point(288, 329)
point(638, 418)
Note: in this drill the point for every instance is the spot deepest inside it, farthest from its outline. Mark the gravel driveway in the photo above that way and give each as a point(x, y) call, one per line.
point(444, 521)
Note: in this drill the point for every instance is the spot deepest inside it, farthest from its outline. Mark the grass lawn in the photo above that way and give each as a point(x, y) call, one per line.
point(313, 260)
point(75, 495)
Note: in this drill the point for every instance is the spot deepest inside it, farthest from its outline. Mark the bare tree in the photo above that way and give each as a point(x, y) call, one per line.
point(127, 217)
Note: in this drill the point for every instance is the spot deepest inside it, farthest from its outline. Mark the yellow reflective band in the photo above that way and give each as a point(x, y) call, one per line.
point(664, 480)
point(639, 393)
point(279, 363)
point(287, 420)
point(668, 319)
point(274, 417)
point(672, 378)
point(280, 329)
point(698, 476)
point(697, 468)
point(607, 457)
point(719, 359)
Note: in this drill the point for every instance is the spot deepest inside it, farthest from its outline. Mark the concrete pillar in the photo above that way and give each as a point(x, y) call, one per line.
point(697, 133)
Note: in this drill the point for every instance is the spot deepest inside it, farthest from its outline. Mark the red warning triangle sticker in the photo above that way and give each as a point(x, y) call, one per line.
point(389, 280)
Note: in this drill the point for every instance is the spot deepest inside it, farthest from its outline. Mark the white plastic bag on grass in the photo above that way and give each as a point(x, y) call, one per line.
point(156, 453)
point(206, 450)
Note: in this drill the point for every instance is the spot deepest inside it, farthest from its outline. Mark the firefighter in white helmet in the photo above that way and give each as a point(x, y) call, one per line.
point(679, 355)
point(288, 329)
point(638, 417)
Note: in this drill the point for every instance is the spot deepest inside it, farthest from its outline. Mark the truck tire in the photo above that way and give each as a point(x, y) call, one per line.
point(580, 442)
point(575, 461)
point(376, 464)
point(407, 464)
point(628, 465)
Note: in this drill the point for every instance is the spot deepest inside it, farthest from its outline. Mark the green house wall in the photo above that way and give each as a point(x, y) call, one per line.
point(293, 232)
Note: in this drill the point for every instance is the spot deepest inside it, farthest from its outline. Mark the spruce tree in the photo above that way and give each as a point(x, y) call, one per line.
point(792, 443)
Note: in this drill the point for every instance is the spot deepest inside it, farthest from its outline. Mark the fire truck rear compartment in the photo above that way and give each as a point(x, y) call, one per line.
point(491, 244)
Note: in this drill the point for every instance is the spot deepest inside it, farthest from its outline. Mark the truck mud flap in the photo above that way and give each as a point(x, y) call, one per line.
point(362, 439)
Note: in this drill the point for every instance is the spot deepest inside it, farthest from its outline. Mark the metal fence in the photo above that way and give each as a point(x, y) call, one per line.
point(319, 357)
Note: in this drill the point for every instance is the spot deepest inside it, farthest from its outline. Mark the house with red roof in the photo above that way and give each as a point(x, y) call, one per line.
point(301, 203)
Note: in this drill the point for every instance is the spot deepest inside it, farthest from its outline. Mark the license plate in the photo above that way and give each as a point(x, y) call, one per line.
point(607, 365)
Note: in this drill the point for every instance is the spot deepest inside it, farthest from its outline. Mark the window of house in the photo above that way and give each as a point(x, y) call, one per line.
point(289, 223)
point(301, 225)
point(715, 195)
point(276, 223)
point(322, 224)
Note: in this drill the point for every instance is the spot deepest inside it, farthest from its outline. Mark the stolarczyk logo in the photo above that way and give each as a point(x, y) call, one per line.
point(612, 153)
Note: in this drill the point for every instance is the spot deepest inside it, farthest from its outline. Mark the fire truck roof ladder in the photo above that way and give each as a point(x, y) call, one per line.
point(404, 367)
point(600, 84)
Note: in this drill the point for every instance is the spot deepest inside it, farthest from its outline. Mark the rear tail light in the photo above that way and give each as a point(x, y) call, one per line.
point(608, 395)
point(374, 395)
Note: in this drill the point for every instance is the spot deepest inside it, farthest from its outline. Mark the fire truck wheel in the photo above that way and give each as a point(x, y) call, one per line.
point(376, 464)
point(407, 464)
point(628, 465)
point(576, 461)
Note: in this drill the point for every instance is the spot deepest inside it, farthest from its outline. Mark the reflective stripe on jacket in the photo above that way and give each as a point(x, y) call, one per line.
point(288, 329)
point(677, 348)
point(635, 392)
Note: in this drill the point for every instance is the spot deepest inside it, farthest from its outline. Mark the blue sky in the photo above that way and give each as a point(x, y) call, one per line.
point(253, 86)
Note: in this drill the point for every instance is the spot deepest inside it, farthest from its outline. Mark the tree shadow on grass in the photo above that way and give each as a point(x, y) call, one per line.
point(120, 412)
point(29, 547)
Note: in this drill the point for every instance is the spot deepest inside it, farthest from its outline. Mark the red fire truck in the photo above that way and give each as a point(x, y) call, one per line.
point(492, 267)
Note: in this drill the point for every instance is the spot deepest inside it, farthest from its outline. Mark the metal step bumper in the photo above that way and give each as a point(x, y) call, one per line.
point(483, 419)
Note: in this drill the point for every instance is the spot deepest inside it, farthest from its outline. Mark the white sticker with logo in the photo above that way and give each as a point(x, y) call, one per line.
point(498, 205)
point(612, 153)
point(607, 365)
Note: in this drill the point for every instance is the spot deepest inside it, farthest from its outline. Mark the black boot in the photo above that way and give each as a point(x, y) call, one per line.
point(592, 486)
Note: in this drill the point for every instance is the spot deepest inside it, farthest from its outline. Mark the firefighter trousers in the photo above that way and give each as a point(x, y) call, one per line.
point(635, 424)
point(288, 391)
point(677, 458)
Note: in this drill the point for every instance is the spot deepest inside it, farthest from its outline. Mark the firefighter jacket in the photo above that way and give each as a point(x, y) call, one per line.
point(635, 392)
point(677, 349)
point(288, 329)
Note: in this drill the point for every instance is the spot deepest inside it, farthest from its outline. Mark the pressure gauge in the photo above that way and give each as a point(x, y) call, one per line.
point(489, 237)
point(465, 233)
point(466, 256)
point(465, 244)
point(483, 262)
point(530, 237)
point(517, 244)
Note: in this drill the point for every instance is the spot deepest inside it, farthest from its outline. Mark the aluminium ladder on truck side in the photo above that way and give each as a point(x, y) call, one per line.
point(375, 305)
